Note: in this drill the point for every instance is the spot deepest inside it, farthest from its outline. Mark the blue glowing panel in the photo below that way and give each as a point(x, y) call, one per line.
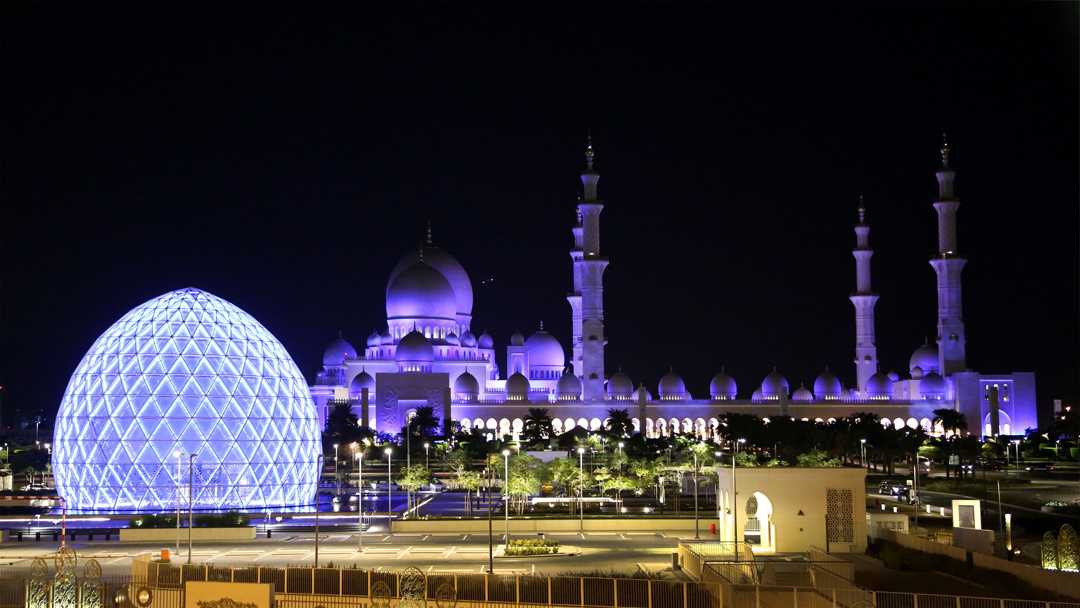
point(187, 373)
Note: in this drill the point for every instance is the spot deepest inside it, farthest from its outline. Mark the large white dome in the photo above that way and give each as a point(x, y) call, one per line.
point(449, 267)
point(545, 350)
point(925, 358)
point(420, 292)
point(192, 373)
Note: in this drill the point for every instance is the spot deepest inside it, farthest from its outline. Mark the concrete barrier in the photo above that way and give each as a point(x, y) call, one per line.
point(537, 525)
point(155, 535)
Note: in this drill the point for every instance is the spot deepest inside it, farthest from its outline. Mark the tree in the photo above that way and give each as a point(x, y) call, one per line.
point(414, 478)
point(1049, 551)
point(617, 483)
point(424, 423)
point(951, 421)
point(526, 475)
point(341, 425)
point(537, 426)
point(817, 458)
point(469, 481)
point(619, 424)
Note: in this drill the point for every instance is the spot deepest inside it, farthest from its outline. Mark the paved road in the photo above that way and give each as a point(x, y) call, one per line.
point(448, 553)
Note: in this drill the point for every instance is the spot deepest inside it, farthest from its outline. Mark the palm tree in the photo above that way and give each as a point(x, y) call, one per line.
point(341, 425)
point(537, 425)
point(951, 421)
point(424, 422)
point(619, 423)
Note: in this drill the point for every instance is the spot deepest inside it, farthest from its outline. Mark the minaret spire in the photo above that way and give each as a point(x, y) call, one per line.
point(587, 298)
point(864, 300)
point(948, 265)
point(427, 236)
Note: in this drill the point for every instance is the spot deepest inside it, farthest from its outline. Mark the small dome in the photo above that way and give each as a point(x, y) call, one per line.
point(517, 339)
point(468, 339)
point(386, 339)
point(415, 348)
point(932, 386)
point(337, 352)
point(517, 386)
point(722, 386)
point(878, 386)
point(756, 395)
point(545, 350)
point(802, 394)
point(672, 386)
point(893, 376)
point(775, 385)
point(466, 386)
point(374, 338)
point(485, 341)
point(361, 381)
point(827, 386)
point(637, 394)
point(925, 358)
point(420, 292)
point(452, 339)
point(569, 386)
point(619, 386)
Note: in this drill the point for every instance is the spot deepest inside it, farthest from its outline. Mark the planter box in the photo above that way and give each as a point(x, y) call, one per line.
point(157, 535)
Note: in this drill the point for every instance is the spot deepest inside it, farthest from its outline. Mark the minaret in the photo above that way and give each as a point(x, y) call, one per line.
point(864, 300)
point(587, 298)
point(948, 266)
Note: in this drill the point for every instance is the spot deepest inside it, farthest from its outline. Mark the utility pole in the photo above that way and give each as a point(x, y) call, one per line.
point(581, 489)
point(734, 498)
point(178, 474)
point(389, 511)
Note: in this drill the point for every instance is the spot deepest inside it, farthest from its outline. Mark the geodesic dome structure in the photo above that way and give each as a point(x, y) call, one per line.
point(186, 373)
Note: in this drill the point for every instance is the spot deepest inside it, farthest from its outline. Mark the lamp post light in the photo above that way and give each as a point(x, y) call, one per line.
point(697, 531)
point(178, 473)
point(862, 452)
point(337, 478)
point(190, 502)
point(317, 507)
point(734, 497)
point(1016, 442)
point(719, 517)
point(489, 474)
point(581, 489)
point(389, 458)
point(360, 499)
point(506, 492)
point(427, 456)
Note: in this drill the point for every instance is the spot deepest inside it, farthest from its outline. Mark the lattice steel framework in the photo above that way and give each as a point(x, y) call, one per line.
point(186, 373)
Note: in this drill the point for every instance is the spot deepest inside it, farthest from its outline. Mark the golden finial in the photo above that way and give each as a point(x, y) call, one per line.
point(862, 210)
point(945, 151)
point(429, 232)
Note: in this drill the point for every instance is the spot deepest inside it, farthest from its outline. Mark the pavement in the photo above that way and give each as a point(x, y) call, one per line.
point(433, 553)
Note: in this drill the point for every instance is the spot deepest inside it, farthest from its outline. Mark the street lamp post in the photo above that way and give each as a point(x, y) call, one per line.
point(427, 456)
point(862, 453)
point(506, 492)
point(581, 489)
point(190, 502)
point(317, 480)
point(488, 477)
point(734, 499)
point(337, 478)
point(178, 473)
point(389, 458)
point(697, 531)
point(719, 517)
point(360, 499)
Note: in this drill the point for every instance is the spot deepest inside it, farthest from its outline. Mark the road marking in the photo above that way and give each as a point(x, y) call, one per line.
point(601, 534)
point(387, 537)
point(116, 560)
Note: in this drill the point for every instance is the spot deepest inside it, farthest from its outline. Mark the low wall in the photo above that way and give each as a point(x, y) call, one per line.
point(155, 535)
point(533, 526)
point(1061, 583)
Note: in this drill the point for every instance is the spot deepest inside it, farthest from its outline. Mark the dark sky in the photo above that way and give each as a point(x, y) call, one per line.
point(285, 162)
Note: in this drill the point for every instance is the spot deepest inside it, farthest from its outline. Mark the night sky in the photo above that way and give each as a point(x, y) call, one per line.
point(285, 163)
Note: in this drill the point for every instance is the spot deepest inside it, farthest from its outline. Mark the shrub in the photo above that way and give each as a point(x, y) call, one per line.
point(531, 546)
point(229, 519)
point(1068, 549)
point(1049, 551)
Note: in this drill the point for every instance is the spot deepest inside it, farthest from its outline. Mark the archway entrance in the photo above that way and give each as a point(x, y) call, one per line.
point(759, 532)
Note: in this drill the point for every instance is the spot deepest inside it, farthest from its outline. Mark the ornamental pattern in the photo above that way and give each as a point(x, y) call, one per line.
point(189, 373)
point(840, 517)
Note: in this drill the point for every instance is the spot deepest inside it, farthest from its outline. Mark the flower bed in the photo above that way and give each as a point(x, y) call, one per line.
point(531, 546)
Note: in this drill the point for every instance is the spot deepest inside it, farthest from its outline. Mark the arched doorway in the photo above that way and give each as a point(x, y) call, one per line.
point(759, 532)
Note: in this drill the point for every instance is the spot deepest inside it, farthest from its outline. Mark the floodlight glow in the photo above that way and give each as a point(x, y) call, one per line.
point(186, 372)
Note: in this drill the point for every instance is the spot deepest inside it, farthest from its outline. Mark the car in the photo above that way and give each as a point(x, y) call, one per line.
point(892, 487)
point(1039, 467)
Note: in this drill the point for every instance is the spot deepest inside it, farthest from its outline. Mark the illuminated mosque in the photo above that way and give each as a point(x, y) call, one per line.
point(428, 354)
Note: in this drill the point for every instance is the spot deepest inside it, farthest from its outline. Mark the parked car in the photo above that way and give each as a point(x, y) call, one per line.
point(892, 487)
point(1039, 467)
